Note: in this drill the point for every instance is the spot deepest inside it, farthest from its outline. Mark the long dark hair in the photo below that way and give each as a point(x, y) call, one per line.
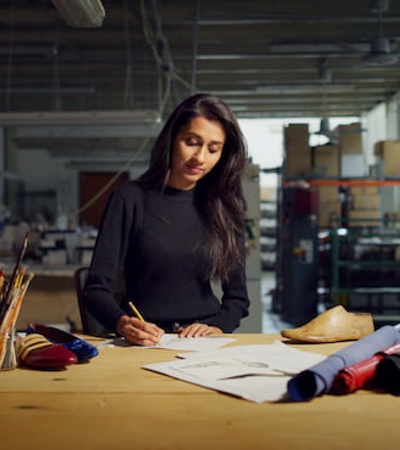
point(219, 195)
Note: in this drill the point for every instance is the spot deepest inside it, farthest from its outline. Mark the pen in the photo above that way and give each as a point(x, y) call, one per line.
point(136, 312)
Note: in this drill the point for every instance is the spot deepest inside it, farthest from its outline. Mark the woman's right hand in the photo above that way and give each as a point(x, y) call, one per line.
point(135, 331)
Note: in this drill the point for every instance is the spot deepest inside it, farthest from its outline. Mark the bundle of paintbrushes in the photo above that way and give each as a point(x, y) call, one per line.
point(12, 293)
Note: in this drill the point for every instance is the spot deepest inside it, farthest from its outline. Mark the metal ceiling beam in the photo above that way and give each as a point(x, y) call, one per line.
point(264, 44)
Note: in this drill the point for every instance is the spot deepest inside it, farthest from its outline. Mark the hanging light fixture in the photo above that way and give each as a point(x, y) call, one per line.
point(324, 127)
point(81, 13)
point(380, 53)
point(325, 76)
point(324, 134)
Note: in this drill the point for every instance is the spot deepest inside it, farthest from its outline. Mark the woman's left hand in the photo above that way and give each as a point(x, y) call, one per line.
point(198, 329)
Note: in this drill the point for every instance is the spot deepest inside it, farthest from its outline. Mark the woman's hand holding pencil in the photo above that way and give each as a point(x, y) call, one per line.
point(136, 311)
point(137, 331)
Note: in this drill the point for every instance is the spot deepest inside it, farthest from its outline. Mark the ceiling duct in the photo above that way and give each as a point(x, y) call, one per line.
point(81, 13)
point(39, 118)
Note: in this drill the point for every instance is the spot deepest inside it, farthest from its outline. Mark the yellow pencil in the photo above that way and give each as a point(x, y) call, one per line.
point(136, 312)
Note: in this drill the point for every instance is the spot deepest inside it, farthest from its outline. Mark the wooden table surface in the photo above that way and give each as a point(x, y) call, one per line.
point(111, 403)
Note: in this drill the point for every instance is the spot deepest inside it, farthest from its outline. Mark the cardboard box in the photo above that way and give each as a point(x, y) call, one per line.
point(388, 155)
point(363, 190)
point(297, 162)
point(350, 138)
point(297, 135)
point(364, 218)
point(326, 161)
point(268, 194)
point(329, 213)
point(353, 165)
point(382, 147)
point(366, 202)
point(297, 151)
point(326, 193)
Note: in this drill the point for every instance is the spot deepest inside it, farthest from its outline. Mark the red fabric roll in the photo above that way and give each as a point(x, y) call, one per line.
point(360, 375)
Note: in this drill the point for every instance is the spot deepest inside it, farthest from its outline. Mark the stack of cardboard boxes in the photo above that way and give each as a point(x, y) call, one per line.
point(363, 207)
point(297, 157)
point(304, 162)
point(344, 159)
point(326, 165)
point(387, 158)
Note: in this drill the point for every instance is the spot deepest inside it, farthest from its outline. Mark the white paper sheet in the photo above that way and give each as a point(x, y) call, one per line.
point(174, 342)
point(258, 373)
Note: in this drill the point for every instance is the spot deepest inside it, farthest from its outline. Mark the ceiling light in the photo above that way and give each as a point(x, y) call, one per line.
point(324, 127)
point(380, 53)
point(379, 6)
point(318, 140)
point(81, 13)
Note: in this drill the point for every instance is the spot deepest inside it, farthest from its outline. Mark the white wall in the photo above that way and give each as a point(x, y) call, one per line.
point(393, 131)
point(41, 171)
point(375, 125)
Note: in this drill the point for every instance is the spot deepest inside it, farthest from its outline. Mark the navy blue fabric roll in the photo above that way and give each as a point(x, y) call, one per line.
point(387, 373)
point(317, 380)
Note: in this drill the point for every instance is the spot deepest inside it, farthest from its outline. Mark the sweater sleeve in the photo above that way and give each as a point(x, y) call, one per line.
point(108, 258)
point(235, 300)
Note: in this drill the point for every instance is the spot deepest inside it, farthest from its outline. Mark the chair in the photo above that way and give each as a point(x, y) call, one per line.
point(90, 325)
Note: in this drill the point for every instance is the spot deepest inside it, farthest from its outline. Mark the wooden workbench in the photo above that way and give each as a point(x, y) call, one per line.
point(111, 403)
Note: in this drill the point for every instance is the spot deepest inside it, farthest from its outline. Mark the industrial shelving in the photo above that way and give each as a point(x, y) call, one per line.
point(365, 270)
point(359, 259)
point(268, 235)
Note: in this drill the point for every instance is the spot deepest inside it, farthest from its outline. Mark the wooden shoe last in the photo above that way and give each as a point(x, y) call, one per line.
point(333, 325)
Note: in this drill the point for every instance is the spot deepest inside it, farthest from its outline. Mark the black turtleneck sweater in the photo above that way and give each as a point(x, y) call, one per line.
point(157, 239)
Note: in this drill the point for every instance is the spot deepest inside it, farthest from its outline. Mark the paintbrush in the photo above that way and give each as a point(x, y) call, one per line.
point(5, 304)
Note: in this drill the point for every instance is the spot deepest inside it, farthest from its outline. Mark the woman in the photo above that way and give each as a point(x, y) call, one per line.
point(175, 229)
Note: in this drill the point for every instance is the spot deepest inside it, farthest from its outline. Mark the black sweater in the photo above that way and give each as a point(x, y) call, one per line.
point(157, 239)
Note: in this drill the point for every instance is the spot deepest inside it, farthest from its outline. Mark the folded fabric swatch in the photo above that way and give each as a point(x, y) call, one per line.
point(387, 374)
point(361, 374)
point(318, 379)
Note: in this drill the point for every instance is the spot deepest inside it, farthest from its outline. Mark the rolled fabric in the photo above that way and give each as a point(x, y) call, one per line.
point(361, 374)
point(387, 374)
point(318, 379)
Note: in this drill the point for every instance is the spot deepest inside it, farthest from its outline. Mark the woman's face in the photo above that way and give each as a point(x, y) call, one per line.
point(195, 151)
